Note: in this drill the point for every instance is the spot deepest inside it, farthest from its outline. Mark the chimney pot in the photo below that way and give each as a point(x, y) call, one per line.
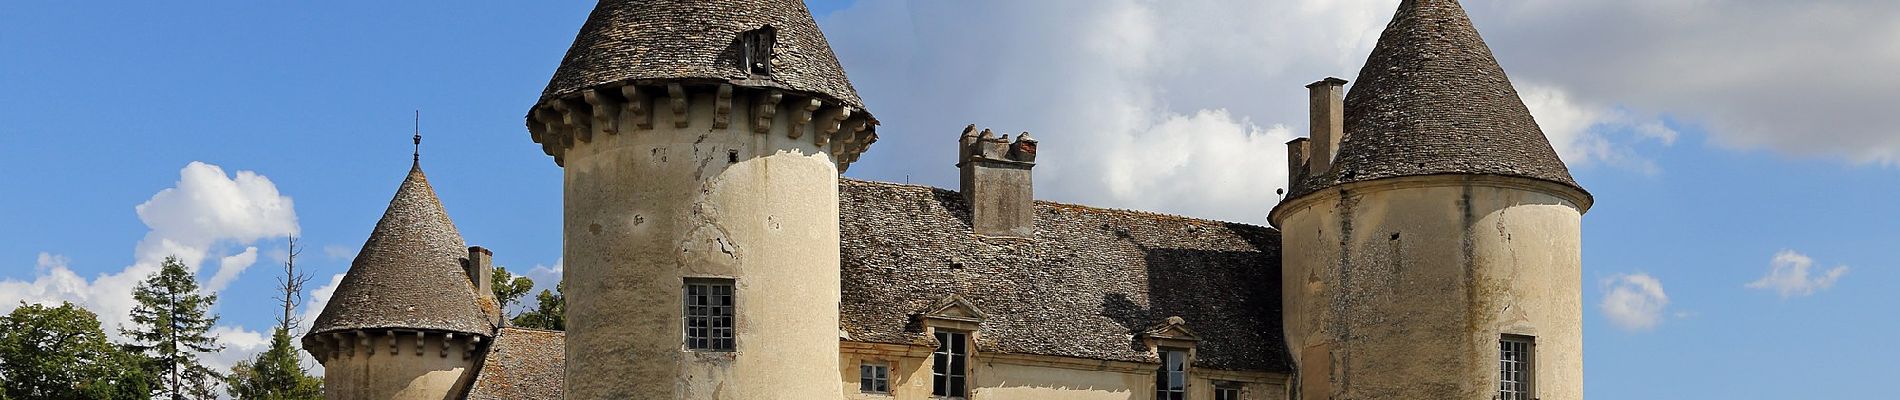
point(995, 182)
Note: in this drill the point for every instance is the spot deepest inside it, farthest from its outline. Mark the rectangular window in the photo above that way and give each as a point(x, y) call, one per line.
point(874, 378)
point(709, 314)
point(1514, 367)
point(949, 367)
point(1227, 392)
point(1171, 379)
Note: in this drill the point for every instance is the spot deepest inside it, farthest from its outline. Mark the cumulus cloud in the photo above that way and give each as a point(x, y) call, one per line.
point(1634, 302)
point(1791, 275)
point(205, 210)
point(1585, 134)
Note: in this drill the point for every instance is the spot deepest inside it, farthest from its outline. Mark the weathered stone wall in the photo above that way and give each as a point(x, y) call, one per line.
point(1021, 376)
point(647, 208)
point(369, 368)
point(1400, 288)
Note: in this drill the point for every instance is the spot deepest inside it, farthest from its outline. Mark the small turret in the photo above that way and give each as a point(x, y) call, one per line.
point(407, 321)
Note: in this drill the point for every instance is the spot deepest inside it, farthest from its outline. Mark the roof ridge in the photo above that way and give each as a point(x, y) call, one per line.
point(1065, 205)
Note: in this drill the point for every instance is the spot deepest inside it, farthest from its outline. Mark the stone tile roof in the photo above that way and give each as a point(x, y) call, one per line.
point(1089, 281)
point(409, 274)
point(1432, 99)
point(651, 40)
point(522, 364)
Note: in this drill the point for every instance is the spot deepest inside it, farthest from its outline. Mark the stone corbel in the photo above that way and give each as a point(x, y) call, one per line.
point(830, 120)
point(469, 350)
point(363, 343)
point(676, 95)
point(606, 109)
point(446, 339)
point(639, 106)
point(801, 115)
point(391, 334)
point(767, 104)
point(419, 339)
point(577, 120)
point(722, 107)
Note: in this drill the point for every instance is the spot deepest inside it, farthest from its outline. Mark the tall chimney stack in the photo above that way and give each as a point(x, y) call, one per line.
point(1328, 106)
point(995, 182)
point(481, 270)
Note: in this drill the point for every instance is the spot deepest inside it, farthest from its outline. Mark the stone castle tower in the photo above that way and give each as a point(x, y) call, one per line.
point(414, 311)
point(1431, 235)
point(701, 143)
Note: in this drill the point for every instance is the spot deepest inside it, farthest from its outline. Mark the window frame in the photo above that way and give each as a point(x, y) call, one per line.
point(1229, 391)
point(869, 384)
point(719, 331)
point(1525, 367)
point(1171, 368)
point(949, 367)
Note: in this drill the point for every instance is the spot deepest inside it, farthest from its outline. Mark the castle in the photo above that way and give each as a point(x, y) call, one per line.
point(1428, 246)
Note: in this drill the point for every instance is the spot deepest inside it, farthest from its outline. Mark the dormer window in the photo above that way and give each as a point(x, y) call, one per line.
point(755, 55)
point(1171, 379)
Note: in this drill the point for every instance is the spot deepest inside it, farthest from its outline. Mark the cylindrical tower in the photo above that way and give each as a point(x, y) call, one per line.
point(701, 143)
point(410, 318)
point(1438, 254)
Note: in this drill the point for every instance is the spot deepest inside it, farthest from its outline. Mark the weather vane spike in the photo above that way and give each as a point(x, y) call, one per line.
point(416, 156)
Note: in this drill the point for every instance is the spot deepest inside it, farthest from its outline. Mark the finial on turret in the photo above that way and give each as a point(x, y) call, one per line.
point(416, 155)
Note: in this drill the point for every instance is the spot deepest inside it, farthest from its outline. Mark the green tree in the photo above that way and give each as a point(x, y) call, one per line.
point(62, 353)
point(550, 311)
point(277, 373)
point(509, 288)
point(171, 326)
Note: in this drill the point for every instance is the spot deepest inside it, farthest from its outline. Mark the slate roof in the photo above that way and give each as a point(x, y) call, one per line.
point(651, 40)
point(522, 364)
point(409, 274)
point(1432, 99)
point(1083, 287)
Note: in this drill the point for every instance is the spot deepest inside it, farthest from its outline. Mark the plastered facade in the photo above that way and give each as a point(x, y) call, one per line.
point(995, 376)
point(648, 207)
point(1400, 288)
point(371, 367)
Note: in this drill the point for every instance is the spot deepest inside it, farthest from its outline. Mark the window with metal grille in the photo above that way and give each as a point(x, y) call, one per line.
point(1229, 391)
point(1514, 367)
point(709, 314)
point(874, 378)
point(756, 55)
point(1171, 379)
point(949, 364)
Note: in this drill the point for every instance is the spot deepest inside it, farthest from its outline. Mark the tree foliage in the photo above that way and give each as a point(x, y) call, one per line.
point(62, 353)
point(509, 288)
point(550, 311)
point(278, 373)
point(171, 326)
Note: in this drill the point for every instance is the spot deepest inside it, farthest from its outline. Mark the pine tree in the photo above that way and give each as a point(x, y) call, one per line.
point(277, 373)
point(171, 326)
point(60, 353)
point(549, 313)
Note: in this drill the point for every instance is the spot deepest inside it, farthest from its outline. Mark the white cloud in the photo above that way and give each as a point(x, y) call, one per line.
point(239, 344)
point(1791, 276)
point(206, 209)
point(1634, 302)
point(312, 308)
point(229, 268)
point(1582, 133)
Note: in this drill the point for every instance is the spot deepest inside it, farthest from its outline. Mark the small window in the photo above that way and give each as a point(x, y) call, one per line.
point(949, 365)
point(756, 55)
point(874, 378)
point(1171, 379)
point(1515, 364)
point(709, 309)
point(1227, 391)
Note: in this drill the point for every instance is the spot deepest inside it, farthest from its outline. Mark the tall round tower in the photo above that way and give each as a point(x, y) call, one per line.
point(701, 143)
point(410, 318)
point(1432, 236)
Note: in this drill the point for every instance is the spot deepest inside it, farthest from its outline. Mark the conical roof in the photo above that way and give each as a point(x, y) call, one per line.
point(673, 40)
point(409, 274)
point(1432, 99)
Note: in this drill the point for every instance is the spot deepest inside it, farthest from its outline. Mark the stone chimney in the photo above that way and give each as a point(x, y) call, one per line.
point(1328, 107)
point(995, 182)
point(481, 270)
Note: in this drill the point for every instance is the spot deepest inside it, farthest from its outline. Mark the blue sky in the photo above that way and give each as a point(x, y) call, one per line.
point(1710, 147)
